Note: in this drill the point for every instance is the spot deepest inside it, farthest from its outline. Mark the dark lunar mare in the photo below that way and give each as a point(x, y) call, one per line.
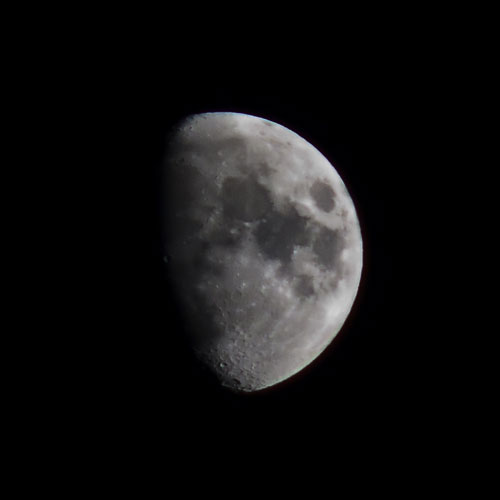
point(323, 196)
point(244, 199)
point(279, 232)
point(327, 246)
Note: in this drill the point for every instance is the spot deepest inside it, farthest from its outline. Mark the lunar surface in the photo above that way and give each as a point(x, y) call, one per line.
point(263, 246)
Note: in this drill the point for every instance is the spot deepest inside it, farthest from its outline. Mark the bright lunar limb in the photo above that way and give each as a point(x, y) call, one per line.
point(264, 246)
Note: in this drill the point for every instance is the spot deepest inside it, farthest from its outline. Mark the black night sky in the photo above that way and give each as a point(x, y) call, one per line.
point(112, 386)
point(375, 383)
point(362, 378)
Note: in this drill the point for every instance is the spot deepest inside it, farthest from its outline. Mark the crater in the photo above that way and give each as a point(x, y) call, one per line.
point(323, 196)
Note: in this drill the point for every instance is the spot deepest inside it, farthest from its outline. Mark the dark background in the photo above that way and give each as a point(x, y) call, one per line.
point(364, 379)
point(377, 385)
point(111, 376)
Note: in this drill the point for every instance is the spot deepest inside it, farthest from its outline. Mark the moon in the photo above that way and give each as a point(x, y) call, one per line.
point(262, 243)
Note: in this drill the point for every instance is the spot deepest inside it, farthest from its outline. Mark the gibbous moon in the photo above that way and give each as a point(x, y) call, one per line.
point(263, 243)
